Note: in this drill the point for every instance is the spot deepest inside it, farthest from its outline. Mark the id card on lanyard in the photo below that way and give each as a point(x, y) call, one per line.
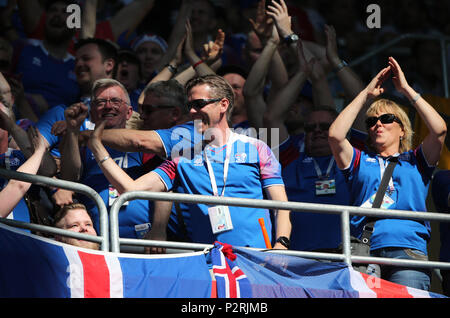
point(387, 200)
point(325, 185)
point(113, 194)
point(219, 216)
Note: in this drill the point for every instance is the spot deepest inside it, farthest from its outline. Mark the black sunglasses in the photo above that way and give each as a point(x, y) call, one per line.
point(322, 126)
point(200, 103)
point(384, 119)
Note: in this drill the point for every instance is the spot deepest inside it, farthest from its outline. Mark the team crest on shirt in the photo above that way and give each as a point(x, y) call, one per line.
point(240, 157)
point(307, 160)
point(37, 61)
point(198, 161)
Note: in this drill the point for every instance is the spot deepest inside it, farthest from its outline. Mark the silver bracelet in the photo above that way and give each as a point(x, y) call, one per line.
point(103, 160)
point(415, 99)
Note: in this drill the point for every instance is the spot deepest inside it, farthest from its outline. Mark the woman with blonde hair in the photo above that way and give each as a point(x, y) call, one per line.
point(390, 107)
point(389, 135)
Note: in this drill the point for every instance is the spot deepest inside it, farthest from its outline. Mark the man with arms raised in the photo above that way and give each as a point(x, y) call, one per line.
point(230, 165)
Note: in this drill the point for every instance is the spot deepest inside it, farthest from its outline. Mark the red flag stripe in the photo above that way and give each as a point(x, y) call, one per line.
point(386, 289)
point(96, 275)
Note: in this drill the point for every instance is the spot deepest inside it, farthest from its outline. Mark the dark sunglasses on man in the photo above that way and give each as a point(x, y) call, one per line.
point(384, 119)
point(322, 126)
point(198, 104)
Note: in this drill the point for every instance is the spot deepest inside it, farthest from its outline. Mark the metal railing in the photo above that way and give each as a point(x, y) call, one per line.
point(296, 207)
point(111, 233)
point(103, 237)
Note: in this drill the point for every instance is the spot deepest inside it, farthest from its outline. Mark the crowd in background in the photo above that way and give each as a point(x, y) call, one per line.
point(53, 78)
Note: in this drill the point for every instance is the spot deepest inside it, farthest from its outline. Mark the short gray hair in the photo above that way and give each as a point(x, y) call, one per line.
point(170, 89)
point(106, 83)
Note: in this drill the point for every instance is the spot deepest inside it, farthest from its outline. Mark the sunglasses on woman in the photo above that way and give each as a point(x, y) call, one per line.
point(384, 119)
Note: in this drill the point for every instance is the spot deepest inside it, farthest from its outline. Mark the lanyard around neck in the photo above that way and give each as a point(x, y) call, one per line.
point(319, 171)
point(383, 166)
point(226, 164)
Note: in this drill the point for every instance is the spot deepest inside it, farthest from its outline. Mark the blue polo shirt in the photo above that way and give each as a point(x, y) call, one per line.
point(12, 160)
point(132, 217)
point(52, 78)
point(252, 168)
point(411, 179)
point(49, 118)
point(311, 231)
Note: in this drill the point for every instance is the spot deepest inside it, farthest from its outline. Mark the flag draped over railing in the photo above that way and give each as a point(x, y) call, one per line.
point(32, 266)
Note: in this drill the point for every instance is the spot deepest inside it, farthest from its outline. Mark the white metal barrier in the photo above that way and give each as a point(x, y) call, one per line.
point(111, 233)
point(297, 207)
point(103, 237)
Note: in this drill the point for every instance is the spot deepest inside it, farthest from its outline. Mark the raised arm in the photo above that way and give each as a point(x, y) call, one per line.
point(254, 85)
point(278, 108)
point(277, 74)
point(48, 166)
point(30, 13)
point(71, 165)
point(15, 189)
point(212, 52)
point(89, 19)
point(340, 147)
point(119, 178)
point(129, 17)
point(433, 142)
point(199, 65)
point(350, 81)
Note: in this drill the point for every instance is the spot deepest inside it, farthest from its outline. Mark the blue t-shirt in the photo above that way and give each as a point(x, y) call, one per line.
point(441, 191)
point(134, 217)
point(311, 231)
point(252, 168)
point(52, 78)
point(12, 160)
point(411, 179)
point(47, 121)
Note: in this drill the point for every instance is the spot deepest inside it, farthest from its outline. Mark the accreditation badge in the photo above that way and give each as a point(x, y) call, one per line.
point(220, 219)
point(325, 187)
point(387, 202)
point(113, 194)
point(142, 229)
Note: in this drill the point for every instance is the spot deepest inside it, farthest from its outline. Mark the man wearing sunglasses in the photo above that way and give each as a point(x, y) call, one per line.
point(228, 165)
point(110, 108)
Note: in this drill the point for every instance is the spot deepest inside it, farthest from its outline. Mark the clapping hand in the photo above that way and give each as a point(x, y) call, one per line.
point(36, 140)
point(398, 77)
point(95, 139)
point(375, 88)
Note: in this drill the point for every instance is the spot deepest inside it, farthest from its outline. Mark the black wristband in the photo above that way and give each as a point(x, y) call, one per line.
point(283, 240)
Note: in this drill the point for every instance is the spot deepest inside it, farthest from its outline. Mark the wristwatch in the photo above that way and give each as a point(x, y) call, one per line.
point(283, 240)
point(291, 38)
point(340, 66)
